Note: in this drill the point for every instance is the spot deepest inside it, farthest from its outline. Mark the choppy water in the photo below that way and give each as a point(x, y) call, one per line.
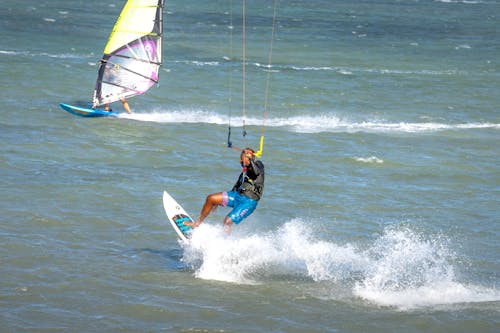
point(381, 208)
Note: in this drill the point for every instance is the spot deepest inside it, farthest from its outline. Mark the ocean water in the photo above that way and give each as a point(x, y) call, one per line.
point(381, 207)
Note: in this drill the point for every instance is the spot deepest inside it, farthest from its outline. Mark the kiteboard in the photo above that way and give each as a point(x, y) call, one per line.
point(177, 216)
point(87, 112)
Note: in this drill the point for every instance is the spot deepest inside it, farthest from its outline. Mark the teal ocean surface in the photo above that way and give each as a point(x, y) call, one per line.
point(381, 211)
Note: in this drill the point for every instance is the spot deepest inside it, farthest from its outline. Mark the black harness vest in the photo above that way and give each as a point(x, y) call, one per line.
point(251, 182)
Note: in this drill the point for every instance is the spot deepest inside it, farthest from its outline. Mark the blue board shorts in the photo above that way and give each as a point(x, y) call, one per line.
point(242, 205)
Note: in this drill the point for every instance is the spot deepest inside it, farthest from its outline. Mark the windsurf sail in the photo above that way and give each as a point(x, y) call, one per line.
point(132, 55)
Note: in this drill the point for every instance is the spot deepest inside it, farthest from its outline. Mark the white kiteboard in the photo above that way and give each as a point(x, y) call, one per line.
point(177, 216)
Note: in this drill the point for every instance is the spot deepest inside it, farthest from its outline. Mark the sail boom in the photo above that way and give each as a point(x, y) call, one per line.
point(127, 57)
point(126, 88)
point(132, 72)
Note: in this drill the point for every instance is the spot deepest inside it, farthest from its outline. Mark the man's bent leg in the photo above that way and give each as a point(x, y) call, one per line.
point(211, 203)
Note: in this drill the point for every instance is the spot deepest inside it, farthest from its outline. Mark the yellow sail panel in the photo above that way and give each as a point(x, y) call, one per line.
point(136, 20)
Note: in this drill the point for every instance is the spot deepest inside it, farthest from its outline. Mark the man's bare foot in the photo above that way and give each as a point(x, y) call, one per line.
point(192, 224)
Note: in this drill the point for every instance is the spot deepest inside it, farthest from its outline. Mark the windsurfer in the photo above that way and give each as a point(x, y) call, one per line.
point(243, 197)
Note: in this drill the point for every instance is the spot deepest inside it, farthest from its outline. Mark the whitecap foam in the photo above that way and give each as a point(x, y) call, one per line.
point(438, 293)
point(303, 124)
point(185, 116)
point(42, 54)
point(8, 52)
point(469, 2)
point(329, 123)
point(198, 63)
point(463, 46)
point(371, 159)
point(384, 71)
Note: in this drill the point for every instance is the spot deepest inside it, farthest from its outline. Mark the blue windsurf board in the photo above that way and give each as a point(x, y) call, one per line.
point(87, 112)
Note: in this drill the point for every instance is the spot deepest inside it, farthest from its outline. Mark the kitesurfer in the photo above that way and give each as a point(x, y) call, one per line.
point(243, 197)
